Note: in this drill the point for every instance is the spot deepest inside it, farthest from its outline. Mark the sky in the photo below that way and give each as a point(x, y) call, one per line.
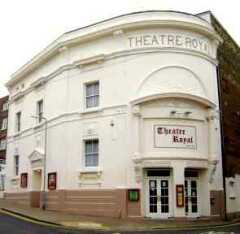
point(28, 26)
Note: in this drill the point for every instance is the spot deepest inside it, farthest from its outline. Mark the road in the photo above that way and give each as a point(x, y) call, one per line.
point(12, 225)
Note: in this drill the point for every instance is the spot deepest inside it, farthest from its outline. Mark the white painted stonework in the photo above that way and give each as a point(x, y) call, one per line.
point(154, 69)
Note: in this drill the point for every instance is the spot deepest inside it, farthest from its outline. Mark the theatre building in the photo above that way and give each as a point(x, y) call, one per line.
point(124, 115)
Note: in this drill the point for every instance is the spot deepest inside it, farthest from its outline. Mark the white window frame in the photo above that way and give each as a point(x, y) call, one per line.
point(4, 124)
point(39, 111)
point(5, 106)
point(18, 121)
point(95, 95)
point(3, 144)
point(91, 153)
point(16, 165)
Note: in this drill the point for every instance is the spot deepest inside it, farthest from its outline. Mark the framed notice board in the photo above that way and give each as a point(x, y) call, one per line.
point(52, 181)
point(133, 195)
point(180, 195)
point(24, 180)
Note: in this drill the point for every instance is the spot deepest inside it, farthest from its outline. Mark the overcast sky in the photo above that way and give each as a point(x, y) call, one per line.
point(28, 26)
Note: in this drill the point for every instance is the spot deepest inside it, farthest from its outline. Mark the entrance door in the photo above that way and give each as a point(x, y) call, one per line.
point(37, 180)
point(191, 197)
point(158, 198)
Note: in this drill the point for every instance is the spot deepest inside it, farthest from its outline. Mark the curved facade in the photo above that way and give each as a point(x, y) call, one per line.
point(127, 117)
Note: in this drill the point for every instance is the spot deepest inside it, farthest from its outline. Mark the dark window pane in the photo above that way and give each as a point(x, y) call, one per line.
point(153, 209)
point(186, 204)
point(193, 184)
point(194, 200)
point(164, 192)
point(191, 173)
point(153, 192)
point(194, 209)
point(164, 200)
point(163, 172)
point(153, 200)
point(164, 209)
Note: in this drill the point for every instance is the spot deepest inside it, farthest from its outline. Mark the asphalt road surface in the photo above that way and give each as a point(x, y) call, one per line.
point(12, 225)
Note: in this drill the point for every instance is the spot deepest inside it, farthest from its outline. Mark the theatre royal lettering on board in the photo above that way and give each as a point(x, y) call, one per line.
point(169, 40)
point(177, 136)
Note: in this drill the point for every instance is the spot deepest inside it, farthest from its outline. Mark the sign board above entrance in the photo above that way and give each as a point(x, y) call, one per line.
point(175, 136)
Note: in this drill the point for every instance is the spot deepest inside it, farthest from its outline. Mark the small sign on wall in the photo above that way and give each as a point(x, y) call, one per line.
point(175, 136)
point(133, 195)
point(52, 181)
point(180, 195)
point(24, 180)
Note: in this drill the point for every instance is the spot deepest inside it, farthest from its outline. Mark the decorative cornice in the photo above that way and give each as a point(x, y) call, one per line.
point(90, 61)
point(63, 118)
point(202, 100)
point(124, 23)
point(17, 96)
point(39, 82)
point(163, 158)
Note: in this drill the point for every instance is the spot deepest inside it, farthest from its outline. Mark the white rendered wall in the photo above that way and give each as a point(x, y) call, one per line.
point(232, 194)
point(134, 74)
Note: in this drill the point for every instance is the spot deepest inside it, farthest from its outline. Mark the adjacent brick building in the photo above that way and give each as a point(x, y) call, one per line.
point(3, 138)
point(3, 128)
point(229, 76)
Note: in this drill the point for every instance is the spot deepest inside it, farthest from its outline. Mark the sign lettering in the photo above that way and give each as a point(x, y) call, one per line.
point(168, 40)
point(175, 136)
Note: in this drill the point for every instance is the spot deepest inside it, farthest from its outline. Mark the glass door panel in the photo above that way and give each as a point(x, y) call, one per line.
point(153, 196)
point(191, 197)
point(164, 196)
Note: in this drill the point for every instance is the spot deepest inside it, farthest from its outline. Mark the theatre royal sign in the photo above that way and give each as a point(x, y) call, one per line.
point(161, 40)
point(175, 136)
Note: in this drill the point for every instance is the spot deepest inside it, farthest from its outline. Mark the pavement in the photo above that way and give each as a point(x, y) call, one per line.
point(62, 220)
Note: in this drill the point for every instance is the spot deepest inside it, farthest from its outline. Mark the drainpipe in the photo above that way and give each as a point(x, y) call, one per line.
point(222, 142)
point(44, 201)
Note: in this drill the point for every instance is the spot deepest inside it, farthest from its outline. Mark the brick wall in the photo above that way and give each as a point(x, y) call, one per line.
point(229, 72)
point(3, 133)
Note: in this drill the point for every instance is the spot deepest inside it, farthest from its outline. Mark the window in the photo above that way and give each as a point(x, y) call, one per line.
point(92, 94)
point(16, 165)
point(4, 124)
point(91, 153)
point(18, 121)
point(3, 144)
point(2, 161)
point(40, 111)
point(5, 106)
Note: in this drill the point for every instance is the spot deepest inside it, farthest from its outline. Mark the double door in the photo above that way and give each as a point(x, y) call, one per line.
point(191, 197)
point(158, 199)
